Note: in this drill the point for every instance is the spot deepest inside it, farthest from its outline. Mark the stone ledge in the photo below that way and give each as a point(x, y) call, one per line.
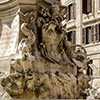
point(9, 12)
point(68, 2)
point(26, 2)
point(3, 1)
point(8, 5)
point(8, 8)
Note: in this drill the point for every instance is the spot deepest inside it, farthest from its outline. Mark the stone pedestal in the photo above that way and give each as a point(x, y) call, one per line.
point(9, 33)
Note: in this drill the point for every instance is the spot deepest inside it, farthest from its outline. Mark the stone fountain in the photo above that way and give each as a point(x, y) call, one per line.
point(47, 65)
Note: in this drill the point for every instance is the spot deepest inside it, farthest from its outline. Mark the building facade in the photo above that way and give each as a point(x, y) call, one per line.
point(83, 26)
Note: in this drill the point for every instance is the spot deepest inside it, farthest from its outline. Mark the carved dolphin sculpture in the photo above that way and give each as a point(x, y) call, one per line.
point(28, 33)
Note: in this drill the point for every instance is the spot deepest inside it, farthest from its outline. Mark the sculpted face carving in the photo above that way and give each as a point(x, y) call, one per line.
point(46, 34)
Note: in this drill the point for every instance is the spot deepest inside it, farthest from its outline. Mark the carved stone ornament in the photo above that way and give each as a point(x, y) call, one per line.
point(47, 65)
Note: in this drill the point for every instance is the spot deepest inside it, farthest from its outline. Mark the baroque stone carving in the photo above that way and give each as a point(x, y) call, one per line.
point(41, 85)
point(46, 46)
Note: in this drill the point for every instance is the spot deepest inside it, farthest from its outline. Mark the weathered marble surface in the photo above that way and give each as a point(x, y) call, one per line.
point(41, 85)
point(46, 65)
point(9, 37)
